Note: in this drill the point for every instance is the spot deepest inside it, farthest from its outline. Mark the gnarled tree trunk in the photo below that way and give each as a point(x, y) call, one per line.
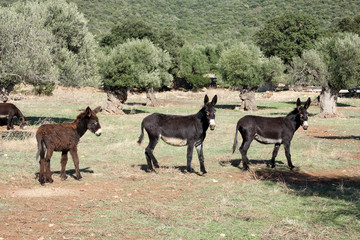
point(328, 99)
point(151, 100)
point(248, 98)
point(115, 100)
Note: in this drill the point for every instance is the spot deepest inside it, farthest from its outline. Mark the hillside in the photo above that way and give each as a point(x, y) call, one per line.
point(209, 20)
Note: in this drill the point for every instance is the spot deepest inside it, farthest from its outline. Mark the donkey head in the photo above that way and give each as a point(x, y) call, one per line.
point(303, 112)
point(93, 122)
point(23, 123)
point(210, 110)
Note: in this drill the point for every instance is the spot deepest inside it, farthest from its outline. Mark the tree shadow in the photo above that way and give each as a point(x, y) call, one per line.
point(283, 114)
point(34, 120)
point(70, 172)
point(135, 103)
point(182, 169)
point(340, 137)
point(16, 134)
point(228, 106)
point(237, 163)
point(337, 187)
point(133, 111)
point(260, 107)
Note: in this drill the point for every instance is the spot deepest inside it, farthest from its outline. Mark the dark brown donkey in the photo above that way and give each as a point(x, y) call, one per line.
point(268, 130)
point(179, 131)
point(9, 111)
point(64, 138)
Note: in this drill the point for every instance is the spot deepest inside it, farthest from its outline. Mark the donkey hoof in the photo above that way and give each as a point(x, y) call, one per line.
point(292, 167)
point(42, 181)
point(49, 180)
point(273, 166)
point(149, 170)
point(63, 177)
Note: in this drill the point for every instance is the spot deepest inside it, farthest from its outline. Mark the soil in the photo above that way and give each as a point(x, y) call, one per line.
point(35, 204)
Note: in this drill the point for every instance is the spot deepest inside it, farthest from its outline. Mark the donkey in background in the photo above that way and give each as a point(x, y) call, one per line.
point(268, 130)
point(179, 131)
point(64, 137)
point(9, 111)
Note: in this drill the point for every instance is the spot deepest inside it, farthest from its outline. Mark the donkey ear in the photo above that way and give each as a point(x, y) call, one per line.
point(214, 100)
point(98, 109)
point(298, 103)
point(88, 111)
point(307, 104)
point(206, 99)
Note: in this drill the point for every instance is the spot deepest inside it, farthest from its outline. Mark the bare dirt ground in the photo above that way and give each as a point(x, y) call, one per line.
point(46, 207)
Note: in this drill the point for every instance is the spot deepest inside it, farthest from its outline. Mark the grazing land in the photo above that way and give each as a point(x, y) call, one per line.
point(117, 199)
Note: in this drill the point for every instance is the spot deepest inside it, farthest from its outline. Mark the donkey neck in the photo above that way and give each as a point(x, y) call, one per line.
point(294, 119)
point(80, 126)
point(201, 115)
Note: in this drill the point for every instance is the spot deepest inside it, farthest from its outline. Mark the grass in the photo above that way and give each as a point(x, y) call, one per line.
point(117, 199)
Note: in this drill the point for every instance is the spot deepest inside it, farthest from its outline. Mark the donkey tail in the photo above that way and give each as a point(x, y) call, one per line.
point(41, 147)
point(235, 139)
point(141, 137)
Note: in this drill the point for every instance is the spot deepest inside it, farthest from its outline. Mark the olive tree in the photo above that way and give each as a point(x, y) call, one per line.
point(244, 65)
point(25, 51)
point(333, 64)
point(45, 43)
point(136, 63)
point(287, 36)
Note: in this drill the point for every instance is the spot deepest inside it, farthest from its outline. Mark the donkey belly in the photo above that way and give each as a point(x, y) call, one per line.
point(174, 141)
point(265, 140)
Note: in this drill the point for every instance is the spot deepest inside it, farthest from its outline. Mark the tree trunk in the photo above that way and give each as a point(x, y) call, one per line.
point(151, 100)
point(115, 100)
point(328, 98)
point(248, 100)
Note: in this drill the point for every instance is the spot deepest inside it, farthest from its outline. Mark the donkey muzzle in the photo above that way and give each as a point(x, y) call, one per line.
point(305, 125)
point(212, 124)
point(98, 132)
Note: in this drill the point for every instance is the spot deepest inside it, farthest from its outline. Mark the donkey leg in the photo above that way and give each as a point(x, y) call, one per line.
point(10, 122)
point(149, 154)
point(64, 159)
point(243, 150)
point(274, 154)
point(189, 155)
point(48, 174)
point(199, 150)
point(42, 167)
point(75, 158)
point(288, 155)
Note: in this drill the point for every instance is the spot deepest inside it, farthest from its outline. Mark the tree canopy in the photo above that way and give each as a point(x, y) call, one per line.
point(288, 36)
point(136, 63)
point(46, 43)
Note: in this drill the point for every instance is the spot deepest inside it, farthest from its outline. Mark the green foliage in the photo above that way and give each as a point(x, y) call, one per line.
point(334, 64)
point(25, 49)
point(136, 63)
point(198, 81)
point(243, 65)
point(75, 53)
point(46, 42)
point(288, 36)
point(274, 70)
point(192, 61)
point(133, 28)
point(45, 88)
point(209, 21)
point(349, 24)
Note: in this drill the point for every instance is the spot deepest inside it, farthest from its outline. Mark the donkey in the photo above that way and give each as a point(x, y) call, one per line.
point(64, 138)
point(9, 111)
point(177, 130)
point(268, 130)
